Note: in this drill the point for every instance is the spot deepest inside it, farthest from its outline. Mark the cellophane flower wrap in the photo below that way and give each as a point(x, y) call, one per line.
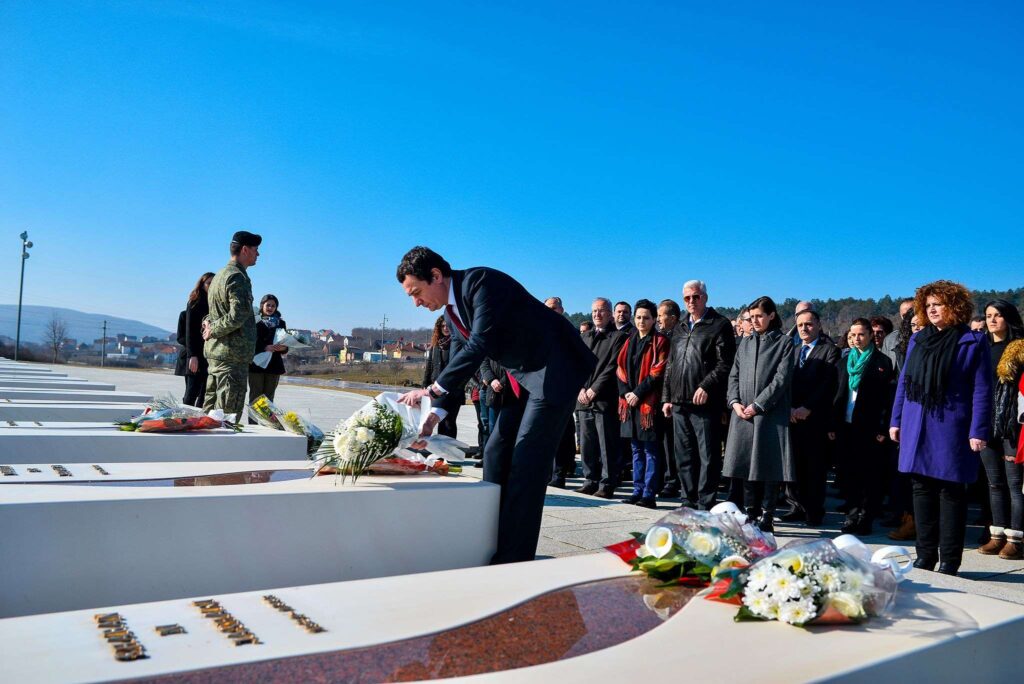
point(691, 547)
point(374, 433)
point(268, 414)
point(809, 583)
point(289, 339)
point(164, 413)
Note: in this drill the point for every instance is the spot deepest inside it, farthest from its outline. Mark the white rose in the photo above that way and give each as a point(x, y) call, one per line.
point(848, 604)
point(703, 544)
point(362, 435)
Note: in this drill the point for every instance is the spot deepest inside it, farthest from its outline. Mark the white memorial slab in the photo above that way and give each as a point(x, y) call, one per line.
point(65, 411)
point(26, 372)
point(70, 442)
point(933, 635)
point(54, 384)
point(88, 396)
point(75, 546)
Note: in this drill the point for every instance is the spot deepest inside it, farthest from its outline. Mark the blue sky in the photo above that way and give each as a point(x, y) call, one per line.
point(791, 149)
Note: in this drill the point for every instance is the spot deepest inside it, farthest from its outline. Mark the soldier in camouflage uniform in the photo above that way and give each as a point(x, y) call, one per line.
point(230, 328)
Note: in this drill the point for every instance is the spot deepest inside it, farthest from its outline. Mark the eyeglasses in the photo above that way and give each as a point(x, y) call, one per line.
point(691, 298)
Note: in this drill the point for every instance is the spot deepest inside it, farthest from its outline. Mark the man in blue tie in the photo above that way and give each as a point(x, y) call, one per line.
point(493, 316)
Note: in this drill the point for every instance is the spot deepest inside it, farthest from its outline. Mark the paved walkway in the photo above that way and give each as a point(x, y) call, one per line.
point(575, 523)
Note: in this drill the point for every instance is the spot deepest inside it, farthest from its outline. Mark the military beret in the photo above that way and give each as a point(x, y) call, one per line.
point(246, 239)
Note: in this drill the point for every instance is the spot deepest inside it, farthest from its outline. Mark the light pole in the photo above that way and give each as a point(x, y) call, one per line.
point(25, 246)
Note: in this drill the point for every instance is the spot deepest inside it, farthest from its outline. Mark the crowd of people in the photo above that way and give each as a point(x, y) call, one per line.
point(690, 406)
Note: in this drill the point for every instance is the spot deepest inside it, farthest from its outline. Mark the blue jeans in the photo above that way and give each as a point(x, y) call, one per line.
point(647, 472)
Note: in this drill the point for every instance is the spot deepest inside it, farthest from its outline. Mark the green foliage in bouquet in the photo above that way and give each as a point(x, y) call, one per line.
point(673, 567)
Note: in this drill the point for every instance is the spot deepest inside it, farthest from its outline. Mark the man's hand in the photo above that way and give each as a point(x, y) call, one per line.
point(280, 348)
point(978, 444)
point(799, 413)
point(428, 429)
point(412, 398)
point(496, 386)
point(749, 412)
point(700, 397)
point(632, 399)
point(738, 410)
point(879, 438)
point(831, 436)
point(582, 397)
point(666, 408)
point(894, 434)
point(206, 330)
point(193, 364)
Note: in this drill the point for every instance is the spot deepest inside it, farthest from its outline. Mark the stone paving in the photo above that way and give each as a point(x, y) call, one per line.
point(575, 523)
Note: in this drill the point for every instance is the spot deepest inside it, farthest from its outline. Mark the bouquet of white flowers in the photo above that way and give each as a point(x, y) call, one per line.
point(281, 336)
point(815, 582)
point(375, 432)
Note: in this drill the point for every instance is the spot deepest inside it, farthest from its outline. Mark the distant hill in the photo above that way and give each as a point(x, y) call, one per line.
point(84, 327)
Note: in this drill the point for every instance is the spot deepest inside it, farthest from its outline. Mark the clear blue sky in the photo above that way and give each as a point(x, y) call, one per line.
point(600, 148)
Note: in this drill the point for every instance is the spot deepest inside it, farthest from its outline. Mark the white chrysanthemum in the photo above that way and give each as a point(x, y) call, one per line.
point(702, 544)
point(362, 435)
point(341, 443)
point(797, 612)
point(828, 578)
point(758, 578)
point(855, 580)
point(782, 585)
point(758, 604)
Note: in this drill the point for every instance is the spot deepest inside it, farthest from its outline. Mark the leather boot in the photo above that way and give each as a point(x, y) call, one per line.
point(906, 531)
point(1014, 549)
point(995, 543)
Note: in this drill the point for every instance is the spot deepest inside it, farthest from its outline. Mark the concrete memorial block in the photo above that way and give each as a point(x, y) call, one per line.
point(223, 527)
point(71, 442)
point(54, 384)
point(567, 620)
point(6, 372)
point(89, 396)
point(65, 411)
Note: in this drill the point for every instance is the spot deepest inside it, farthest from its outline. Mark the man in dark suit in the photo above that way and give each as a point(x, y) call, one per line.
point(493, 316)
point(565, 457)
point(814, 388)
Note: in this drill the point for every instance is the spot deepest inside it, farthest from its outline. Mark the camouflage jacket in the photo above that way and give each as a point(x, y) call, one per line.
point(232, 322)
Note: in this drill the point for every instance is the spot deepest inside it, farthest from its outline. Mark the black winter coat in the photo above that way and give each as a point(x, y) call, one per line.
point(195, 312)
point(181, 365)
point(873, 409)
point(701, 357)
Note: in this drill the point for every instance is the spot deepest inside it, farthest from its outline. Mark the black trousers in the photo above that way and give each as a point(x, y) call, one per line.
point(518, 457)
point(940, 515)
point(448, 426)
point(599, 447)
point(195, 389)
point(865, 468)
point(698, 455)
point(668, 457)
point(755, 497)
point(565, 457)
point(810, 455)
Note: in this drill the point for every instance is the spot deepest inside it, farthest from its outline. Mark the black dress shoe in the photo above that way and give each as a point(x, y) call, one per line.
point(766, 524)
point(922, 563)
point(948, 568)
point(647, 503)
point(558, 483)
point(633, 499)
point(668, 493)
point(605, 492)
point(795, 515)
point(588, 488)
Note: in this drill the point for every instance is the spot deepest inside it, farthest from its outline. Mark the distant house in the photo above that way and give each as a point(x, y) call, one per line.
point(372, 357)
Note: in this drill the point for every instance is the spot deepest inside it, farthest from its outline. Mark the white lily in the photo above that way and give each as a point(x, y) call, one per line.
point(659, 541)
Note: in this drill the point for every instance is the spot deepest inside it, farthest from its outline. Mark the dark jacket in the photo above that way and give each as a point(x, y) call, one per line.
point(195, 312)
point(701, 357)
point(437, 361)
point(628, 380)
point(605, 346)
point(490, 371)
point(264, 337)
point(181, 365)
point(815, 385)
point(874, 396)
point(539, 347)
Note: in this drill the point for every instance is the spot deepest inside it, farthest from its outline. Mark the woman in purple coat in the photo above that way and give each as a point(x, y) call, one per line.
point(942, 419)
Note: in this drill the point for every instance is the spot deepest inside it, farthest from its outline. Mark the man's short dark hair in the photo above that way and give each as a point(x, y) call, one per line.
point(978, 319)
point(673, 307)
point(234, 249)
point(814, 314)
point(625, 304)
point(419, 262)
point(586, 324)
point(882, 321)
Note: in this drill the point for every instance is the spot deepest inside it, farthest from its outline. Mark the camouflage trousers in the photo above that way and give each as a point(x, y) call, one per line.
point(226, 386)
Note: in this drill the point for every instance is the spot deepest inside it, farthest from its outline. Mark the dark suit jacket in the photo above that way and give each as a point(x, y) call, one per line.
point(815, 385)
point(874, 396)
point(605, 346)
point(540, 348)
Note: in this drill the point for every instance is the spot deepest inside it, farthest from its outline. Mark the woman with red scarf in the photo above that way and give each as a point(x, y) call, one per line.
point(641, 366)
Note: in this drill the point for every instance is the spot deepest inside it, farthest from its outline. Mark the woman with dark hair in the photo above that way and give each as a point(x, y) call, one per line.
point(1005, 476)
point(265, 380)
point(196, 308)
point(859, 426)
point(758, 456)
point(942, 419)
point(437, 361)
point(641, 367)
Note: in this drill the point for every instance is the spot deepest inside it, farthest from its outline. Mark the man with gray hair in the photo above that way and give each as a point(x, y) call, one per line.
point(597, 406)
point(693, 394)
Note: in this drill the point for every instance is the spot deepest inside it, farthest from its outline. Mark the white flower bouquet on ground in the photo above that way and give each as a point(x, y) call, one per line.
point(373, 434)
point(814, 582)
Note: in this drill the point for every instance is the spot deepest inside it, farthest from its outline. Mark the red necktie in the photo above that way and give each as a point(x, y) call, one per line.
point(455, 319)
point(513, 383)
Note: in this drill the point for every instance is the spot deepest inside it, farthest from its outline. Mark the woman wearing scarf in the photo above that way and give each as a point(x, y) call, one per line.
point(1005, 476)
point(437, 361)
point(860, 423)
point(942, 419)
point(758, 455)
point(264, 380)
point(641, 366)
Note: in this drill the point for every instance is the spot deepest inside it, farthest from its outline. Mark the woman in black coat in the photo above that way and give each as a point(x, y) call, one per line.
point(437, 361)
point(195, 371)
point(264, 380)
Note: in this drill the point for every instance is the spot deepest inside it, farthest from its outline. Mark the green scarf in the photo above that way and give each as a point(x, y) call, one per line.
point(856, 362)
